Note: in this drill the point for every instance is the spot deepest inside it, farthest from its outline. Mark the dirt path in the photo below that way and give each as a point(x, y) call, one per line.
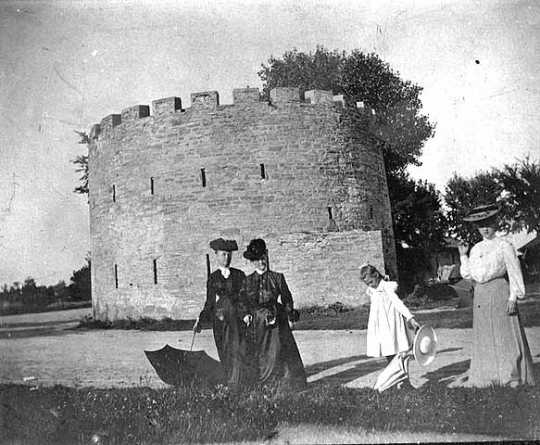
point(52, 353)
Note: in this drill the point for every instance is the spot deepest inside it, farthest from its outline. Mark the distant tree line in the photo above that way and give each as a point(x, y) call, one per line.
point(29, 296)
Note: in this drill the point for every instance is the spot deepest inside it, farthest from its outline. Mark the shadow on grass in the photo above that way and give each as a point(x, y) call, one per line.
point(360, 369)
point(446, 373)
point(351, 374)
point(323, 366)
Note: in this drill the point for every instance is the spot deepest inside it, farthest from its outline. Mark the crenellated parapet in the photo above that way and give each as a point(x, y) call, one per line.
point(208, 101)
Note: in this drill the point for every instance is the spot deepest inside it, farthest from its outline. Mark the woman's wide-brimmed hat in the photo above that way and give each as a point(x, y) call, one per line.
point(425, 345)
point(255, 250)
point(227, 245)
point(482, 213)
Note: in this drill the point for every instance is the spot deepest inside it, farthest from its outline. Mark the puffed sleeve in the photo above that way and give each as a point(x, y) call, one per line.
point(464, 269)
point(390, 290)
point(513, 269)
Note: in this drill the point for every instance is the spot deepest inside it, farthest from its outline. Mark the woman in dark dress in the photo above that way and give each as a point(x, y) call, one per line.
point(273, 356)
point(222, 291)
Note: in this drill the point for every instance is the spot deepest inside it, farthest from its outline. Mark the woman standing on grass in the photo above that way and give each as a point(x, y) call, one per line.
point(222, 289)
point(500, 352)
point(272, 351)
point(387, 332)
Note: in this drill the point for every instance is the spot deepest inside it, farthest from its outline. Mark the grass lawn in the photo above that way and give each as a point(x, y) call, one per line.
point(61, 415)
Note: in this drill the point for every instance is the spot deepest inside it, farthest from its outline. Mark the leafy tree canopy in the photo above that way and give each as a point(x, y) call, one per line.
point(400, 129)
point(419, 220)
point(515, 187)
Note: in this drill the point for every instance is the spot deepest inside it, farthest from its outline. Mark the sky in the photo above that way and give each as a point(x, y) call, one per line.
point(66, 65)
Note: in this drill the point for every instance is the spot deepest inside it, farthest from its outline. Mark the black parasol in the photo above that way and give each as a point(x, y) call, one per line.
point(179, 367)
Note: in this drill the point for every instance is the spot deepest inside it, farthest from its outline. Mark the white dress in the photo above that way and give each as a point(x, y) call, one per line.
point(387, 332)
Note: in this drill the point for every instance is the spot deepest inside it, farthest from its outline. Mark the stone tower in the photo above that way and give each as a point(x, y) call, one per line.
point(162, 185)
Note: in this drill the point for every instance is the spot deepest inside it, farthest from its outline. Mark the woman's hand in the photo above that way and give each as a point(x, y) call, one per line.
point(414, 324)
point(463, 249)
point(247, 319)
point(511, 307)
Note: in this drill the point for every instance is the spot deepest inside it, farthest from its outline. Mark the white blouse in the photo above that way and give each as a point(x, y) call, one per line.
point(493, 258)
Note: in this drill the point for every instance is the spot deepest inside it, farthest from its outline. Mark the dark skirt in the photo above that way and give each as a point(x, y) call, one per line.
point(231, 346)
point(273, 354)
point(500, 352)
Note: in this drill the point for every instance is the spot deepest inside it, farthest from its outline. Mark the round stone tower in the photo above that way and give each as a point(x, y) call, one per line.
point(163, 185)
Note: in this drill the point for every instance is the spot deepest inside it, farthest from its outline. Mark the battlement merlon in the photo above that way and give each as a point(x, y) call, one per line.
point(135, 112)
point(109, 122)
point(206, 100)
point(94, 132)
point(167, 105)
point(284, 95)
point(319, 97)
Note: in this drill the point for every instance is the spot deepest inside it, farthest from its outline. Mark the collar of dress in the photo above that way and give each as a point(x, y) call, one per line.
point(225, 271)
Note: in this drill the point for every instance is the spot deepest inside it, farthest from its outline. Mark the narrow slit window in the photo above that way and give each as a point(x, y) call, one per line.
point(114, 193)
point(155, 271)
point(203, 177)
point(330, 216)
point(263, 172)
point(116, 276)
point(370, 212)
point(152, 185)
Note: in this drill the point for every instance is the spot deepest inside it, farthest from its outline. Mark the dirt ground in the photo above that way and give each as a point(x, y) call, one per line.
point(45, 349)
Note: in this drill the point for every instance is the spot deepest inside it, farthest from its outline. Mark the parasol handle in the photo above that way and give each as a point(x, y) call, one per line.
point(193, 340)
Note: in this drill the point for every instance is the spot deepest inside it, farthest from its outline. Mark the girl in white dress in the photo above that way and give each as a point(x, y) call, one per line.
point(500, 352)
point(387, 333)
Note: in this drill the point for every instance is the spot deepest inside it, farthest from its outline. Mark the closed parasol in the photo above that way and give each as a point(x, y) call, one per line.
point(423, 351)
point(396, 372)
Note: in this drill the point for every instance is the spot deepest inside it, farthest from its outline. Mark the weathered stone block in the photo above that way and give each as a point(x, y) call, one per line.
point(319, 97)
point(135, 112)
point(205, 100)
point(167, 105)
point(109, 122)
point(339, 100)
point(284, 94)
point(246, 95)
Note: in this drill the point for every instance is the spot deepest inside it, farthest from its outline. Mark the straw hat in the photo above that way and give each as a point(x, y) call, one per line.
point(425, 345)
point(481, 213)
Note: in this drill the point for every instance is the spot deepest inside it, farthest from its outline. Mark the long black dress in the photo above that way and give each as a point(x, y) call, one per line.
point(221, 308)
point(272, 351)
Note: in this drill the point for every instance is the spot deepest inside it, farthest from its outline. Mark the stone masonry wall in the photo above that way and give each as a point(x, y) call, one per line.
point(163, 185)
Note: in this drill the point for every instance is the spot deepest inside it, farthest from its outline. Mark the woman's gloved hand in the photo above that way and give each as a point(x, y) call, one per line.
point(511, 307)
point(247, 319)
